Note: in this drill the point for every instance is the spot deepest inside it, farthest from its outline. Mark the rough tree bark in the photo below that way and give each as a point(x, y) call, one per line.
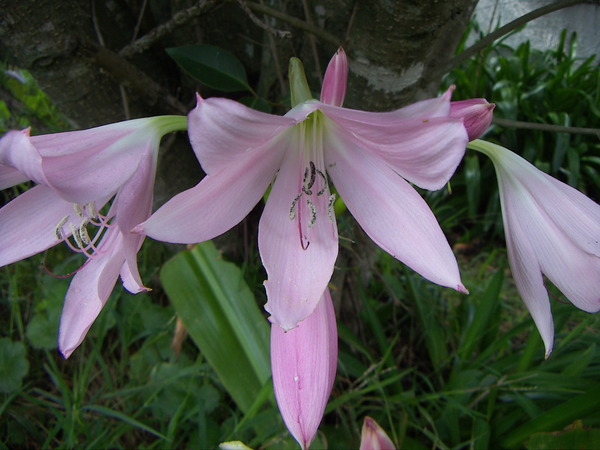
point(393, 46)
point(396, 48)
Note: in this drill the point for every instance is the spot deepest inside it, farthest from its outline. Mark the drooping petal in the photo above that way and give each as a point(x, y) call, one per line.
point(219, 201)
point(29, 223)
point(373, 437)
point(333, 90)
point(304, 362)
point(89, 292)
point(390, 211)
point(425, 152)
point(575, 214)
point(298, 244)
point(575, 272)
point(528, 275)
point(134, 205)
point(551, 229)
point(222, 130)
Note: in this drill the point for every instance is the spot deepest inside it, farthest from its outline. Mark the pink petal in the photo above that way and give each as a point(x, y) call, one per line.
point(333, 90)
point(477, 114)
point(373, 437)
point(528, 277)
point(18, 153)
point(551, 229)
point(10, 177)
point(304, 362)
point(88, 293)
point(134, 205)
point(575, 214)
point(425, 152)
point(117, 254)
point(223, 130)
point(219, 201)
point(83, 166)
point(574, 271)
point(92, 140)
point(298, 258)
point(390, 211)
point(29, 223)
point(425, 109)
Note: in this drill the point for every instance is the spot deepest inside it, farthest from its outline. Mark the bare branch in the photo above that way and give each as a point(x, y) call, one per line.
point(264, 25)
point(313, 41)
point(544, 127)
point(295, 22)
point(138, 24)
point(129, 75)
point(178, 19)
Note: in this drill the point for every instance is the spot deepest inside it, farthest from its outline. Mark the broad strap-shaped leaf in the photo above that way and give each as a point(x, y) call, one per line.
point(221, 315)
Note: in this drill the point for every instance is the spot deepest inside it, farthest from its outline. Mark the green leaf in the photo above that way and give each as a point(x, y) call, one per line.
point(221, 315)
point(485, 307)
point(473, 183)
point(42, 331)
point(212, 66)
point(559, 416)
point(434, 333)
point(124, 418)
point(13, 365)
point(580, 439)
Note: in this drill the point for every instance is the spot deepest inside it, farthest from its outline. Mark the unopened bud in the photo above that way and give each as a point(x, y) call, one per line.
point(372, 437)
point(476, 113)
point(303, 363)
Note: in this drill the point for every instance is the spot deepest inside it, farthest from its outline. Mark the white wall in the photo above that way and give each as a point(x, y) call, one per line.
point(544, 32)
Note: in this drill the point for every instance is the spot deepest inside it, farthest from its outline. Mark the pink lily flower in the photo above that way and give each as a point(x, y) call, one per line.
point(477, 115)
point(78, 173)
point(373, 437)
point(368, 156)
point(304, 363)
point(551, 229)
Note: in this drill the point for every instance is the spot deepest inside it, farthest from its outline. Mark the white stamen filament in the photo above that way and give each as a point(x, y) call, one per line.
point(75, 234)
point(83, 243)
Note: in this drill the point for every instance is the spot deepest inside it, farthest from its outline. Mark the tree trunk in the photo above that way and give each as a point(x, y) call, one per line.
point(393, 47)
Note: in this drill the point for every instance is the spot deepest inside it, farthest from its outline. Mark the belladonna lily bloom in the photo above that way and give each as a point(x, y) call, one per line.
point(304, 362)
point(368, 156)
point(77, 174)
point(373, 437)
point(551, 229)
